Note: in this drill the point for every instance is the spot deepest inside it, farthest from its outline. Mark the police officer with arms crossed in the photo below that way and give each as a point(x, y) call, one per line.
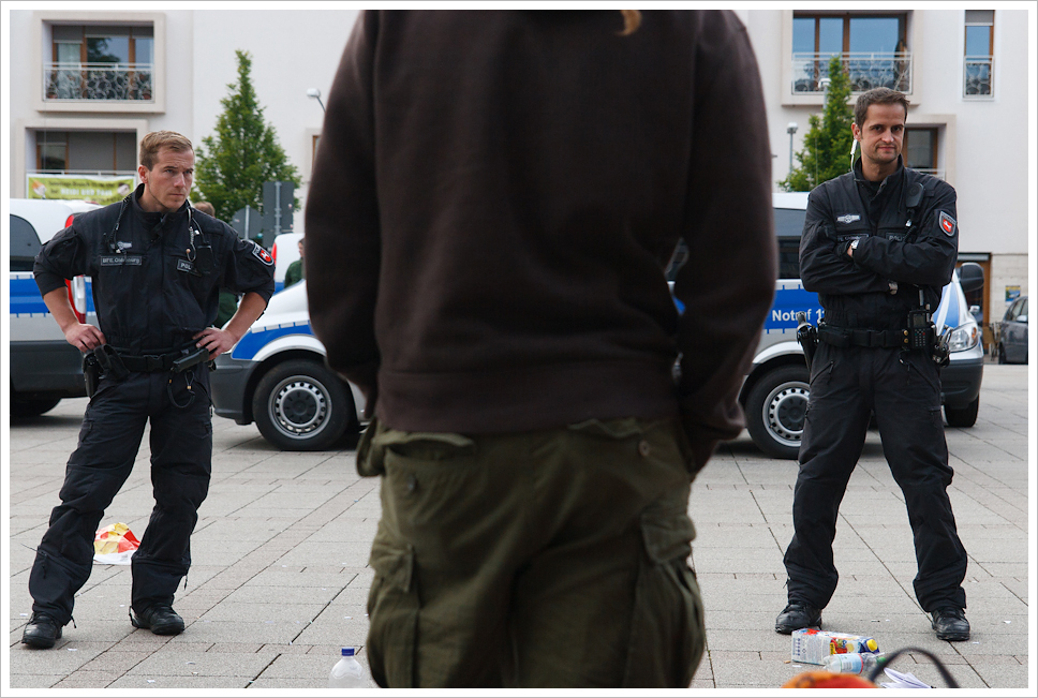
point(157, 267)
point(879, 243)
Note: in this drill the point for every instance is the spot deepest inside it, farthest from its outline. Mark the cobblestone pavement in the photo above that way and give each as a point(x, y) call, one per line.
point(280, 578)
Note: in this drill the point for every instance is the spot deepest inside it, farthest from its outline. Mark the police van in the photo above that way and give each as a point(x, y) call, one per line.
point(774, 394)
point(44, 367)
point(276, 376)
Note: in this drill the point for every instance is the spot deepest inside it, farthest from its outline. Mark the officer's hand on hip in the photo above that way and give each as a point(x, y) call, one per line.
point(217, 341)
point(84, 337)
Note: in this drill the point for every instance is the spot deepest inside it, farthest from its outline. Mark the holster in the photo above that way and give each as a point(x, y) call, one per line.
point(91, 373)
point(110, 363)
point(807, 336)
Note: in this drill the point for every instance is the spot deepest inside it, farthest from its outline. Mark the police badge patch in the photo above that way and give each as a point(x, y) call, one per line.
point(947, 224)
point(261, 254)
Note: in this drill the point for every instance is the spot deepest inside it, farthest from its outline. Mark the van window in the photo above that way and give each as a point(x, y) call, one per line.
point(789, 226)
point(25, 244)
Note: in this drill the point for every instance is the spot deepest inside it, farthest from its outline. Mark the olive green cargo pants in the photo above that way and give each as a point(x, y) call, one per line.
point(552, 558)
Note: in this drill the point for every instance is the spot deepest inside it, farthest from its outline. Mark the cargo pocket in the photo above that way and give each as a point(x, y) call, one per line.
point(668, 635)
point(393, 612)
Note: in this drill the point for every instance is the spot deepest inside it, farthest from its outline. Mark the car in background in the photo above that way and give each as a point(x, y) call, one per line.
point(44, 367)
point(276, 375)
point(1012, 334)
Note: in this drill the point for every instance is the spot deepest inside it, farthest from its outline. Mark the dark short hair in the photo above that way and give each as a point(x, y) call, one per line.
point(157, 140)
point(878, 95)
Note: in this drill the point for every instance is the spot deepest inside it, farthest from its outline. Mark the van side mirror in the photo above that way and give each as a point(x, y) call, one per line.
point(1021, 318)
point(971, 277)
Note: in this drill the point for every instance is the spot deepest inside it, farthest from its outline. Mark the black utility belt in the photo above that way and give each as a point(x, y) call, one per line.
point(853, 337)
point(175, 361)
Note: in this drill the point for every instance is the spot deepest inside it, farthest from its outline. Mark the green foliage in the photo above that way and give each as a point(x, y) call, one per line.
point(827, 144)
point(232, 165)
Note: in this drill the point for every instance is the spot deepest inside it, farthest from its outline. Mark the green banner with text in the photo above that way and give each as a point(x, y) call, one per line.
point(97, 189)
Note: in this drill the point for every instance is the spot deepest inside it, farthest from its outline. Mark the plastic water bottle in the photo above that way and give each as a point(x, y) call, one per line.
point(852, 662)
point(347, 672)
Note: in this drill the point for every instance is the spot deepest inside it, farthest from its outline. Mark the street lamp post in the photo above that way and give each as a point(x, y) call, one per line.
point(315, 93)
point(791, 129)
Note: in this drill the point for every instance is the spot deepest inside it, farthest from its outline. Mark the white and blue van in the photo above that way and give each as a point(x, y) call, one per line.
point(44, 367)
point(276, 376)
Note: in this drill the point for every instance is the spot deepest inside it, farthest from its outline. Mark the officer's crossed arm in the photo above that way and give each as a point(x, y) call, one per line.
point(925, 259)
point(823, 267)
point(81, 336)
point(217, 340)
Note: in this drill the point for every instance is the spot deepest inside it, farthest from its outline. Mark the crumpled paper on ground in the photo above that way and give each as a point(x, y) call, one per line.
point(115, 545)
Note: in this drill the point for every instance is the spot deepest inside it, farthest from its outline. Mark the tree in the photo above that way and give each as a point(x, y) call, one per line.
point(243, 154)
point(827, 143)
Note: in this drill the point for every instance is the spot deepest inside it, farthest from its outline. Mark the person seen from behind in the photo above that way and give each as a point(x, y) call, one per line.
point(494, 202)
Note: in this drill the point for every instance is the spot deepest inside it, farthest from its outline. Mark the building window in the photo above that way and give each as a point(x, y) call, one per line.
point(52, 152)
point(920, 150)
point(980, 39)
point(86, 152)
point(99, 62)
point(871, 46)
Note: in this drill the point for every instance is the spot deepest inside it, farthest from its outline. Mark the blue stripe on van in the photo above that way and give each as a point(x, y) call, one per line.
point(252, 342)
point(25, 296)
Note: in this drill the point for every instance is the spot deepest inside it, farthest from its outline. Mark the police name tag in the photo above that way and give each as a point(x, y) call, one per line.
point(185, 265)
point(121, 260)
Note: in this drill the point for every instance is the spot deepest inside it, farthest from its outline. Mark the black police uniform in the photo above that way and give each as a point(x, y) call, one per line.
point(156, 282)
point(861, 365)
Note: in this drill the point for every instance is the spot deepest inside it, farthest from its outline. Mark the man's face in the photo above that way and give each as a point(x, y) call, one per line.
point(168, 182)
point(882, 134)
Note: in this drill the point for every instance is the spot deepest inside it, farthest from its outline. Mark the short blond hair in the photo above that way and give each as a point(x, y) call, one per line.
point(206, 207)
point(157, 140)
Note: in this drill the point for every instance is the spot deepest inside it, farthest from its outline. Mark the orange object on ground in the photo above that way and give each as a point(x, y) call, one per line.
point(827, 679)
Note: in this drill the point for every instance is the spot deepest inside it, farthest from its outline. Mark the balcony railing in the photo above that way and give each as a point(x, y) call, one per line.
point(976, 76)
point(866, 71)
point(125, 82)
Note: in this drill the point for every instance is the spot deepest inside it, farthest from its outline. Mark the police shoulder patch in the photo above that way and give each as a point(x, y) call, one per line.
point(947, 224)
point(261, 254)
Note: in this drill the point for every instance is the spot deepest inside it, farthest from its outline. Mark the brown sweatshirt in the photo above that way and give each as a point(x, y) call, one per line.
point(494, 201)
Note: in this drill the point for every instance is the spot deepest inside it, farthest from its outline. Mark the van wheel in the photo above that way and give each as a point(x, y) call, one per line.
point(24, 408)
point(962, 417)
point(300, 405)
point(775, 410)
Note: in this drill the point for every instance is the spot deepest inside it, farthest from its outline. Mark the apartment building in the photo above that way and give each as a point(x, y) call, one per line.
point(86, 86)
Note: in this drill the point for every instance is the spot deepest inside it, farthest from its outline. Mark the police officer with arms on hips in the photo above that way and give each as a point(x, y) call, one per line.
point(157, 267)
point(879, 243)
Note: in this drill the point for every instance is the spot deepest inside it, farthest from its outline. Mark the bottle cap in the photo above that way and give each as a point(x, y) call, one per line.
point(347, 651)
